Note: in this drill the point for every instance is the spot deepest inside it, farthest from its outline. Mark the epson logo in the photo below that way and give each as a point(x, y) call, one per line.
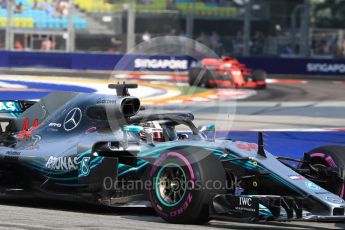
point(326, 68)
point(160, 64)
point(246, 201)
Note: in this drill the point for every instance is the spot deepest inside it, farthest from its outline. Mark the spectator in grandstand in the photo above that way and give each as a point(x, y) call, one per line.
point(3, 4)
point(238, 43)
point(171, 5)
point(332, 44)
point(313, 45)
point(258, 43)
point(342, 49)
point(182, 34)
point(328, 45)
point(319, 45)
point(61, 8)
point(146, 36)
point(214, 40)
point(288, 50)
point(172, 32)
point(47, 45)
point(46, 6)
point(18, 8)
point(34, 5)
point(202, 38)
point(18, 45)
point(183, 37)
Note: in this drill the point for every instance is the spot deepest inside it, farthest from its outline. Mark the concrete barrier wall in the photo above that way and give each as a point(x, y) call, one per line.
point(162, 63)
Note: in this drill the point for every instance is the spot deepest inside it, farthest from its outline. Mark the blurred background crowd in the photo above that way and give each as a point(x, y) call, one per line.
point(235, 27)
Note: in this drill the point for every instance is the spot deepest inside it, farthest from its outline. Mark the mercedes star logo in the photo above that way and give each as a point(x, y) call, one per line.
point(72, 119)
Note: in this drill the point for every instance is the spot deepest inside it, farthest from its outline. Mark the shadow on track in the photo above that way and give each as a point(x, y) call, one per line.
point(262, 225)
point(77, 207)
point(148, 215)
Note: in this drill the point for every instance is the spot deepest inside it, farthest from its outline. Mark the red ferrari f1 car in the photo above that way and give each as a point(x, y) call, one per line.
point(225, 72)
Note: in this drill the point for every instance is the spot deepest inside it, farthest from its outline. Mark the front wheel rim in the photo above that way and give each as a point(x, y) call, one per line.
point(171, 184)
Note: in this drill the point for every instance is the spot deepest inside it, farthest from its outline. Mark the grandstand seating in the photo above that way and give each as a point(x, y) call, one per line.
point(94, 6)
point(18, 22)
point(39, 19)
point(200, 8)
point(99, 6)
point(205, 9)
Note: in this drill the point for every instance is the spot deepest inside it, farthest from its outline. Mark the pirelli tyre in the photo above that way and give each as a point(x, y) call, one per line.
point(196, 76)
point(260, 76)
point(210, 79)
point(182, 183)
point(330, 157)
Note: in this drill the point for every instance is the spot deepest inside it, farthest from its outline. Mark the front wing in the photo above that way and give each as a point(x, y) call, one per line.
point(270, 208)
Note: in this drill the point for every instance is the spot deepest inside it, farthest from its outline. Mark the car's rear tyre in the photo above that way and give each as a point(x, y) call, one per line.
point(196, 76)
point(182, 183)
point(209, 77)
point(200, 77)
point(331, 157)
point(260, 76)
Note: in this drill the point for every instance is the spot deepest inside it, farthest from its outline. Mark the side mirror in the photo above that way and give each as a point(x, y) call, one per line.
point(209, 131)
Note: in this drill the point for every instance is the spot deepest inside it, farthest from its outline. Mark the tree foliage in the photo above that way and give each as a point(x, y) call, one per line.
point(329, 13)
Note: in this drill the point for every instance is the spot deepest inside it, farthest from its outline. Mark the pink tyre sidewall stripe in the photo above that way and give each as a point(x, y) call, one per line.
point(322, 155)
point(330, 163)
point(186, 163)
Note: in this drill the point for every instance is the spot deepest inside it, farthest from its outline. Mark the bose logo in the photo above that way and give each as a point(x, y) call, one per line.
point(245, 201)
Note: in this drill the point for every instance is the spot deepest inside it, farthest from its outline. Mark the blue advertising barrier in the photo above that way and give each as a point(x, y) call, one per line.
point(84, 61)
point(300, 66)
point(163, 63)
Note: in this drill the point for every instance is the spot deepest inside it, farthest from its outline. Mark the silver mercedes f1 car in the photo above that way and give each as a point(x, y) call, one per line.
point(104, 149)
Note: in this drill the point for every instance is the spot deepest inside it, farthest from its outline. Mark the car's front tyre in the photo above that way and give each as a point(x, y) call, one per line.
point(329, 157)
point(183, 182)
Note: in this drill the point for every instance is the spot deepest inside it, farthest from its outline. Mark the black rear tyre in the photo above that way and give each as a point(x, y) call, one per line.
point(182, 183)
point(200, 77)
point(196, 76)
point(333, 157)
point(260, 76)
point(210, 76)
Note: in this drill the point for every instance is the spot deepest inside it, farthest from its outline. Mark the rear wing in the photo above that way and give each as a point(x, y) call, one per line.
point(10, 110)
